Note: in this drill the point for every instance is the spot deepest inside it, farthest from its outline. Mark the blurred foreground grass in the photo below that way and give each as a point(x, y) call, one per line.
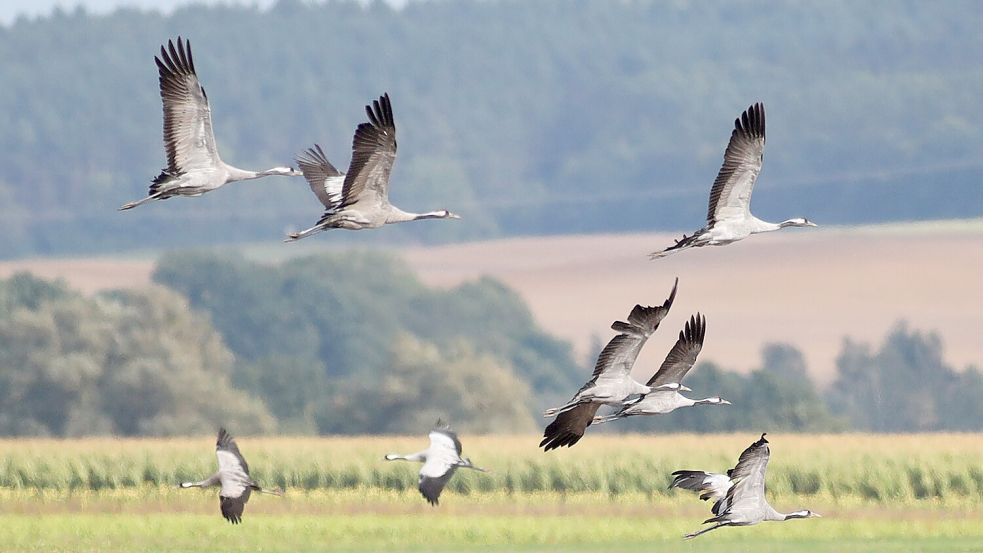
point(888, 468)
point(877, 493)
point(439, 530)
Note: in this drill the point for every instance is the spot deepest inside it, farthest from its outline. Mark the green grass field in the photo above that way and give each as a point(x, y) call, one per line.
point(876, 493)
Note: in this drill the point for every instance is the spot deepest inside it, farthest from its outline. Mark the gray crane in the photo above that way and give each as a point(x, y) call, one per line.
point(233, 477)
point(440, 461)
point(729, 216)
point(611, 382)
point(739, 496)
point(363, 202)
point(193, 164)
point(679, 361)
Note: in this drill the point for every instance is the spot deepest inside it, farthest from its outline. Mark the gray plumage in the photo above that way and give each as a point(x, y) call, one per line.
point(440, 461)
point(729, 217)
point(325, 181)
point(193, 164)
point(739, 496)
point(680, 360)
point(233, 477)
point(611, 382)
point(364, 197)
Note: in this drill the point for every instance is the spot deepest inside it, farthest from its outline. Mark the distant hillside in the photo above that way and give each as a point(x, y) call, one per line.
point(525, 117)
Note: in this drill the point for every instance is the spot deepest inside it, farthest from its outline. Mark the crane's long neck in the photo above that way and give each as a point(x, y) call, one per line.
point(236, 174)
point(419, 457)
point(213, 480)
point(757, 225)
point(397, 215)
point(708, 401)
point(764, 226)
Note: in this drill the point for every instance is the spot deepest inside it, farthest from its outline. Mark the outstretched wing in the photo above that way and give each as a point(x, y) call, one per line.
point(619, 355)
point(232, 507)
point(432, 484)
point(709, 485)
point(443, 458)
point(188, 136)
point(569, 426)
point(373, 154)
point(683, 355)
point(325, 181)
point(443, 439)
point(229, 458)
point(730, 196)
point(747, 491)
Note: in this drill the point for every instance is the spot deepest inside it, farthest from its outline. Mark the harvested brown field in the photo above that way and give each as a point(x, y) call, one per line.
point(809, 288)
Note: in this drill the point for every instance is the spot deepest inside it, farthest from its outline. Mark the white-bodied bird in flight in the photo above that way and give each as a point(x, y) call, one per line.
point(729, 217)
point(233, 477)
point(738, 496)
point(193, 164)
point(611, 383)
point(440, 461)
point(363, 199)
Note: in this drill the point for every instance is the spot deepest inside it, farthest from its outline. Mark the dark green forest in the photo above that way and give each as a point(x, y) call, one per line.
point(352, 342)
point(552, 116)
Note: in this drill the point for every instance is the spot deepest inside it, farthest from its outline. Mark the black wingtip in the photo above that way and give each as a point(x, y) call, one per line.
point(695, 330)
point(672, 294)
point(223, 436)
point(380, 112)
point(752, 121)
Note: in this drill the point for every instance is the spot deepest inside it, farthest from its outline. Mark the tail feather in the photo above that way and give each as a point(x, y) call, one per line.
point(681, 244)
point(293, 236)
point(467, 464)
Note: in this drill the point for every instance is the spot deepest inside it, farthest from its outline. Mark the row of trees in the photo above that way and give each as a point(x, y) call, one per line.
point(525, 117)
point(225, 340)
point(354, 326)
point(129, 363)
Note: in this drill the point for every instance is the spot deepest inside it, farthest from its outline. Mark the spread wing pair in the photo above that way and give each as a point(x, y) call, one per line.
point(373, 155)
point(612, 373)
point(359, 199)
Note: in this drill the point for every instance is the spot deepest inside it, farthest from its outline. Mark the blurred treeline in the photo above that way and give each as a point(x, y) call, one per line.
point(552, 116)
point(349, 343)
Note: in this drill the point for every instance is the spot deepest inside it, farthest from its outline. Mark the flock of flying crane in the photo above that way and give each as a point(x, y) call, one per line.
point(359, 199)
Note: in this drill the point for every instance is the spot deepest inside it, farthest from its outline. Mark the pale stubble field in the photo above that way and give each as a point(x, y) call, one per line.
point(809, 288)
